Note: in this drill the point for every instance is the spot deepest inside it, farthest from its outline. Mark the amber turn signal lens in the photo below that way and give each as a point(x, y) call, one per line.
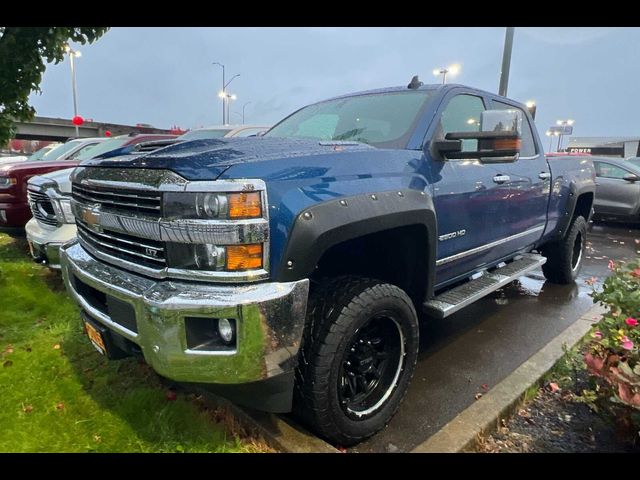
point(245, 205)
point(506, 144)
point(244, 257)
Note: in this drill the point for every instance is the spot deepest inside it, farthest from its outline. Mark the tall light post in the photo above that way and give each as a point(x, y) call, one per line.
point(73, 54)
point(228, 98)
point(243, 107)
point(221, 95)
point(551, 134)
point(563, 123)
point(451, 69)
point(506, 61)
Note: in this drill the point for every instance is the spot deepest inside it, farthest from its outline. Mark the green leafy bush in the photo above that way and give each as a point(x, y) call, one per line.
point(613, 353)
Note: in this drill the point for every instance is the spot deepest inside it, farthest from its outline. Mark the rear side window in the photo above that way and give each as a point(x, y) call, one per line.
point(528, 148)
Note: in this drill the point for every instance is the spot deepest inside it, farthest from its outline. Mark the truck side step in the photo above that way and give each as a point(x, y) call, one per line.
point(459, 297)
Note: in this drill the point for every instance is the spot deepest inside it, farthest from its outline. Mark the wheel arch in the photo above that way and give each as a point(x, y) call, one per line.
point(347, 230)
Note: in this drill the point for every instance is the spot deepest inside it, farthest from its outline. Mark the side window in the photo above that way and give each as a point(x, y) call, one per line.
point(608, 170)
point(528, 148)
point(462, 114)
point(86, 148)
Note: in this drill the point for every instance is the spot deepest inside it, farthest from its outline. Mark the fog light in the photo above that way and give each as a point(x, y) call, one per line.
point(226, 330)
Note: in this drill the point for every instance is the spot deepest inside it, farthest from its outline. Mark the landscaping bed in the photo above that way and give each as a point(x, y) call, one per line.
point(590, 401)
point(559, 417)
point(58, 394)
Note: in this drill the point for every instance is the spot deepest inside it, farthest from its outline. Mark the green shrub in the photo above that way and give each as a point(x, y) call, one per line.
point(613, 354)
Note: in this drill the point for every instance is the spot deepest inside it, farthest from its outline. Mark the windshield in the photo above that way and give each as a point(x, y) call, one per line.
point(635, 162)
point(60, 150)
point(382, 119)
point(103, 147)
point(42, 152)
point(204, 133)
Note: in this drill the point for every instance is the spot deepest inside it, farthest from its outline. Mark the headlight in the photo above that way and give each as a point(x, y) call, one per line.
point(229, 258)
point(6, 182)
point(62, 208)
point(65, 208)
point(205, 205)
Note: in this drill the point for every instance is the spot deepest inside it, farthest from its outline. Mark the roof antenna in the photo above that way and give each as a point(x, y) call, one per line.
point(415, 83)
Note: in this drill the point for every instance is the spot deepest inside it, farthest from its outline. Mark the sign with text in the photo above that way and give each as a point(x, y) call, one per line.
point(562, 129)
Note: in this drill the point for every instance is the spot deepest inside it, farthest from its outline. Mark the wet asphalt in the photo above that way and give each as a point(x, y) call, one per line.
point(474, 349)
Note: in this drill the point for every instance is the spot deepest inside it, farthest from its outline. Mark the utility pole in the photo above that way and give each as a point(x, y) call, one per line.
point(506, 61)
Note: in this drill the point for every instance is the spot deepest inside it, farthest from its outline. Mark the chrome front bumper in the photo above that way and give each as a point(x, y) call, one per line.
point(269, 318)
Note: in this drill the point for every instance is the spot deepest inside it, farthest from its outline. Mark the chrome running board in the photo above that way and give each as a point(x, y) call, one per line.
point(459, 297)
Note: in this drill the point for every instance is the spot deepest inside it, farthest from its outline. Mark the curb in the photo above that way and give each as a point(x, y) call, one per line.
point(277, 431)
point(484, 416)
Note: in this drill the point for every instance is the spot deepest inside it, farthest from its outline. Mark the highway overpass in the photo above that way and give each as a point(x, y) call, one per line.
point(60, 129)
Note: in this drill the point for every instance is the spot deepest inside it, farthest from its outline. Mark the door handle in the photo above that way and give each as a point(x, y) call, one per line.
point(544, 176)
point(501, 178)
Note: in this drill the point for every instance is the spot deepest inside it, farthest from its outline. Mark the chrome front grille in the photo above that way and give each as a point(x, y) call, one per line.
point(143, 251)
point(42, 208)
point(119, 219)
point(139, 202)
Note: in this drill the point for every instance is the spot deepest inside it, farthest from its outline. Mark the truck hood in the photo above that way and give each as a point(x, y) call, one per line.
point(208, 159)
point(61, 178)
point(35, 166)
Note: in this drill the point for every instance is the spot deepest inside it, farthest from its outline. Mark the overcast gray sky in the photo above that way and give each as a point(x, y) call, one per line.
point(164, 76)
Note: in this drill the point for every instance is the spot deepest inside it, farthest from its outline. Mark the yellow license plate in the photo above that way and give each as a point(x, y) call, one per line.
point(96, 338)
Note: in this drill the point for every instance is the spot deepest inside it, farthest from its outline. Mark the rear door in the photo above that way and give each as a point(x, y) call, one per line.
point(530, 181)
point(614, 195)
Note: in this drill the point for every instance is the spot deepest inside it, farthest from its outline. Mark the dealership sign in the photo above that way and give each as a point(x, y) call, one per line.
point(608, 151)
point(561, 129)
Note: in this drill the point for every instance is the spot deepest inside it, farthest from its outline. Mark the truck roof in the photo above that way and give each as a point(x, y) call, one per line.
point(433, 86)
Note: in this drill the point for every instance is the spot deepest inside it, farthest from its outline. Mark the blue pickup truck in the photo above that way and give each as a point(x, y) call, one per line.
point(288, 271)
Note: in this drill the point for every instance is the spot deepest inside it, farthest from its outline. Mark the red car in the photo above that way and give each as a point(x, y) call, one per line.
point(14, 206)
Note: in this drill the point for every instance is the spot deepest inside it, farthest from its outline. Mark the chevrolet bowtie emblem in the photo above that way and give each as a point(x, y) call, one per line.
point(91, 216)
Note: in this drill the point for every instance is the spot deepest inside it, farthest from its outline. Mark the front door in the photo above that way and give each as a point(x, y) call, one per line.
point(614, 194)
point(470, 198)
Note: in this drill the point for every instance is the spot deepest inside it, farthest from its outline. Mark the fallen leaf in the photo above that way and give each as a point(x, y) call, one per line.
point(60, 406)
point(97, 438)
point(553, 387)
point(171, 395)
point(27, 408)
point(485, 387)
point(56, 346)
point(7, 363)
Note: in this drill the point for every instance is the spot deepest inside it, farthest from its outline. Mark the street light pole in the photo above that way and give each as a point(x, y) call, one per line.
point(73, 54)
point(452, 69)
point(243, 111)
point(224, 98)
point(506, 61)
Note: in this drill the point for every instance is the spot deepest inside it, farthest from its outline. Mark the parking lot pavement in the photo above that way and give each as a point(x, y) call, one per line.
point(469, 352)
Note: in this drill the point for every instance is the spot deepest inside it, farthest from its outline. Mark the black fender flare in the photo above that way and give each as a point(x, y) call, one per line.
point(318, 228)
point(575, 192)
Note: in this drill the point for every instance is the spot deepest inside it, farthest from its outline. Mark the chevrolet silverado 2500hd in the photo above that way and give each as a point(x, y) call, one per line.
point(287, 270)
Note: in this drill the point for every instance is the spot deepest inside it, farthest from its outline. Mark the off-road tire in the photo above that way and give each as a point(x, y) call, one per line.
point(337, 309)
point(561, 255)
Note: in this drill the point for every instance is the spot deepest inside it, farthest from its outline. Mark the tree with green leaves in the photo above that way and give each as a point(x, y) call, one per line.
point(23, 51)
